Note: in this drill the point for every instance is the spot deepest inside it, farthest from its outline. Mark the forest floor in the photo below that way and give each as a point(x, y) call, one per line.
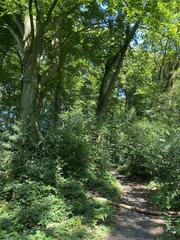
point(130, 225)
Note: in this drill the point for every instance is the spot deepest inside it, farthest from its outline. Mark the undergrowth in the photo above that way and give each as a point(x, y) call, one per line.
point(31, 210)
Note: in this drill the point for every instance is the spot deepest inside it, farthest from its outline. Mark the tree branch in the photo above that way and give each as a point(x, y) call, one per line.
point(15, 36)
point(19, 25)
point(49, 14)
point(37, 9)
point(31, 19)
point(163, 60)
point(50, 72)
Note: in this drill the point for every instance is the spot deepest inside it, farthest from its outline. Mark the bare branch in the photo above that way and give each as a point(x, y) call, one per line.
point(31, 19)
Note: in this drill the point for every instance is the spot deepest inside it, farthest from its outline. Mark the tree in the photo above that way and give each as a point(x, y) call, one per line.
point(130, 17)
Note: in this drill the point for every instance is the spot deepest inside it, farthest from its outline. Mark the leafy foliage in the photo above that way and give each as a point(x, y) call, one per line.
point(30, 210)
point(84, 84)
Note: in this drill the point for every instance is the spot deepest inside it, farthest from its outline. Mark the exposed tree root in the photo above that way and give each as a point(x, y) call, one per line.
point(139, 210)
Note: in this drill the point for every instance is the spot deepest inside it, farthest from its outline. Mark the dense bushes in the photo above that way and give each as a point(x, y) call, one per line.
point(50, 197)
point(25, 158)
point(76, 144)
point(32, 210)
point(70, 150)
point(150, 149)
point(57, 171)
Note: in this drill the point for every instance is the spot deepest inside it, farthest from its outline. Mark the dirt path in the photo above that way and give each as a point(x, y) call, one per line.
point(129, 224)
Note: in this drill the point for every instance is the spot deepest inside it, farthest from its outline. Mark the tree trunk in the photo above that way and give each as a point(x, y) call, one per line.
point(56, 104)
point(30, 83)
point(112, 70)
point(33, 36)
point(34, 29)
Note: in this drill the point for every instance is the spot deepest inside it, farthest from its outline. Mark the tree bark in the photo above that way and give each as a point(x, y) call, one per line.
point(30, 82)
point(33, 37)
point(112, 70)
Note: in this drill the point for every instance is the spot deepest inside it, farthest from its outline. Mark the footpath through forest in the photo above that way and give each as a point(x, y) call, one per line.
point(131, 225)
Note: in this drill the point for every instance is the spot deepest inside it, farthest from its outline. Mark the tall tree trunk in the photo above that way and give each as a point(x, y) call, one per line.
point(30, 83)
point(56, 104)
point(112, 70)
point(33, 36)
point(34, 29)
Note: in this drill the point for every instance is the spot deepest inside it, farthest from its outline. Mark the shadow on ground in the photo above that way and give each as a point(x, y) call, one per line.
point(131, 225)
point(135, 226)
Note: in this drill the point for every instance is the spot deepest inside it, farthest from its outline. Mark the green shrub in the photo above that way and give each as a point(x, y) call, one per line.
point(172, 229)
point(149, 149)
point(34, 204)
point(31, 210)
